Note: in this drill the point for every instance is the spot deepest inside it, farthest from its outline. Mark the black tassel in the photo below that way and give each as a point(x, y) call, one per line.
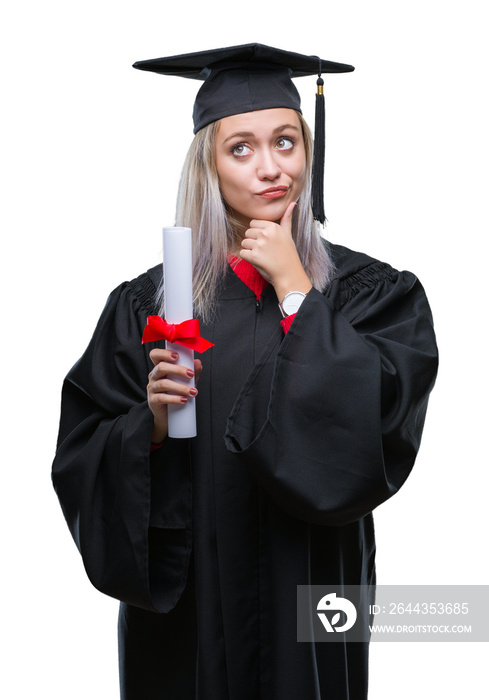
point(318, 158)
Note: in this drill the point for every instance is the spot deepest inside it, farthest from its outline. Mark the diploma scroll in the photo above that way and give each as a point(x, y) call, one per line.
point(177, 268)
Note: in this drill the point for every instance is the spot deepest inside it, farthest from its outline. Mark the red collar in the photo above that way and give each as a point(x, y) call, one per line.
point(248, 274)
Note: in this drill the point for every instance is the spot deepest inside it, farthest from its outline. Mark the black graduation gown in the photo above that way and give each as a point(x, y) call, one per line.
point(299, 437)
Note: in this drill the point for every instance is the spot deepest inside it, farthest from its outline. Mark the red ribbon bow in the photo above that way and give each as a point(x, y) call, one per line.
point(186, 333)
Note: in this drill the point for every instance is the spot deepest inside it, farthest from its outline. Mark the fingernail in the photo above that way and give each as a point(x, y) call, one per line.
point(190, 373)
point(183, 399)
point(174, 356)
point(193, 392)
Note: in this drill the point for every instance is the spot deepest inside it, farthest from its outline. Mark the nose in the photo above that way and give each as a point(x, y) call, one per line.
point(267, 167)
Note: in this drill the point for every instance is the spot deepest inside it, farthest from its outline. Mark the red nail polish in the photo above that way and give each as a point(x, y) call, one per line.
point(183, 399)
point(190, 373)
point(193, 392)
point(174, 356)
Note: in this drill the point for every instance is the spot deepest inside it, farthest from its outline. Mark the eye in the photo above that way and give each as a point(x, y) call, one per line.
point(284, 143)
point(240, 149)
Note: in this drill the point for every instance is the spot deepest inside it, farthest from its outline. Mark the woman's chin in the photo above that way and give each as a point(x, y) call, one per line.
point(271, 211)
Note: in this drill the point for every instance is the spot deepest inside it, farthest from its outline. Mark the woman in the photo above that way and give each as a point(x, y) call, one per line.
point(310, 410)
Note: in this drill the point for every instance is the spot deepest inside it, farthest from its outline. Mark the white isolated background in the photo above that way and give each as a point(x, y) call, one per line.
point(90, 158)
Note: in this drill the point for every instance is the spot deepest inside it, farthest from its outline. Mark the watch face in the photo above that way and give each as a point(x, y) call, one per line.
point(292, 301)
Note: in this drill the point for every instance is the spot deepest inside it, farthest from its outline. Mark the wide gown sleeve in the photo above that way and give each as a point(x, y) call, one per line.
point(126, 508)
point(347, 398)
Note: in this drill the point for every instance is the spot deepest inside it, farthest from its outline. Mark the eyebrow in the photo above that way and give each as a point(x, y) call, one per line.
point(250, 134)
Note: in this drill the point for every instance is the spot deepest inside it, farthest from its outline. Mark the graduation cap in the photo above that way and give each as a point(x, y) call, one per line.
point(248, 78)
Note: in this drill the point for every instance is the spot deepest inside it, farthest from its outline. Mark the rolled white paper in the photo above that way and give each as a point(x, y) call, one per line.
point(177, 268)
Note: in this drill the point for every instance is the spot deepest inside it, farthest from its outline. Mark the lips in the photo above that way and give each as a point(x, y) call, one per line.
point(274, 192)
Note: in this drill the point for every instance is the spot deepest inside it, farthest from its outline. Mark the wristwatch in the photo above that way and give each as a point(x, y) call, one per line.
point(291, 303)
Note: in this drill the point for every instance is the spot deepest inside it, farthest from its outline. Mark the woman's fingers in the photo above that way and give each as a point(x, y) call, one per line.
point(163, 368)
point(158, 355)
point(286, 220)
point(197, 369)
point(169, 386)
point(164, 388)
point(163, 385)
point(165, 361)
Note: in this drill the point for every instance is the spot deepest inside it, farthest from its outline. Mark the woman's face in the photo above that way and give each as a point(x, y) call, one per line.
point(261, 163)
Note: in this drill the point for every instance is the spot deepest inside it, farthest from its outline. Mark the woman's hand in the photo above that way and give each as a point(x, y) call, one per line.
point(159, 386)
point(270, 248)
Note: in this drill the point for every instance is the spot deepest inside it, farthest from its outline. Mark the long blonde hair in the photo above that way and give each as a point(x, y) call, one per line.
point(201, 207)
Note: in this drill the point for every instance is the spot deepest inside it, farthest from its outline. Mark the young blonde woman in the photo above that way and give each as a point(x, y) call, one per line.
point(310, 408)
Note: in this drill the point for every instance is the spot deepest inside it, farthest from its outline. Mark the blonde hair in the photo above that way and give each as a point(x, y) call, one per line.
point(201, 207)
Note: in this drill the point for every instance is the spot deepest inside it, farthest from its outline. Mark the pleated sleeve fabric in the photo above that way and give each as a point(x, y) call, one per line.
point(126, 508)
point(348, 394)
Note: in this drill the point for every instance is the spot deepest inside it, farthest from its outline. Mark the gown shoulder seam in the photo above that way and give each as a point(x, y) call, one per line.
point(368, 277)
point(145, 291)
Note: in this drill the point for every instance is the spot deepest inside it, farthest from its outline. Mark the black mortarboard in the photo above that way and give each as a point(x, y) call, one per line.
point(252, 77)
